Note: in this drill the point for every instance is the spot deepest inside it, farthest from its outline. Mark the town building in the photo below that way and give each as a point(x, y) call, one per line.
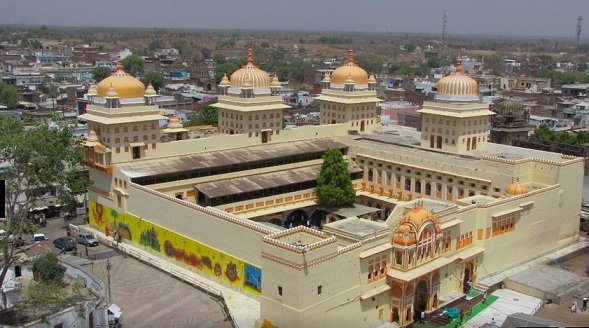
point(510, 123)
point(435, 211)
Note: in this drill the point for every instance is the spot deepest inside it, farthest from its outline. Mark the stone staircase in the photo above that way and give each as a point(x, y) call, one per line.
point(439, 320)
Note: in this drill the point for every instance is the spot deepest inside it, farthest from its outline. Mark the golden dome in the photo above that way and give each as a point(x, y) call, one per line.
point(458, 86)
point(349, 69)
point(111, 93)
point(225, 81)
point(92, 91)
point(150, 91)
point(174, 123)
point(125, 85)
point(92, 136)
point(403, 228)
point(372, 79)
point(275, 82)
point(326, 78)
point(418, 215)
point(257, 77)
point(516, 188)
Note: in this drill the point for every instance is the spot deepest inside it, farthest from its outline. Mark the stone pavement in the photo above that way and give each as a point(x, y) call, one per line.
point(243, 309)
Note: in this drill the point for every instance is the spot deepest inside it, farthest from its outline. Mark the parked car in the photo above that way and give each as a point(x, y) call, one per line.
point(65, 243)
point(39, 237)
point(85, 238)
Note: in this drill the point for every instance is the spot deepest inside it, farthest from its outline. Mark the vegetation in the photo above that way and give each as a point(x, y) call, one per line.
point(133, 64)
point(156, 78)
point(100, 73)
point(543, 132)
point(208, 115)
point(370, 64)
point(225, 66)
point(8, 96)
point(560, 78)
point(334, 185)
point(334, 40)
point(42, 159)
point(48, 268)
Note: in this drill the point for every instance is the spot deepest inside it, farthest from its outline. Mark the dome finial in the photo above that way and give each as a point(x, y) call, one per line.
point(351, 56)
point(458, 66)
point(250, 56)
point(120, 66)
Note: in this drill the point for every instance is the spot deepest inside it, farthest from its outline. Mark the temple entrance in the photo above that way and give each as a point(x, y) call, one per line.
point(421, 295)
point(395, 314)
point(466, 282)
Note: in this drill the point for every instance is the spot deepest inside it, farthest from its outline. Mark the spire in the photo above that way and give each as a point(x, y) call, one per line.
point(458, 65)
point(120, 65)
point(351, 56)
point(250, 57)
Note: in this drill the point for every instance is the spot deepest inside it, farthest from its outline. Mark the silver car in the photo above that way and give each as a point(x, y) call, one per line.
point(85, 238)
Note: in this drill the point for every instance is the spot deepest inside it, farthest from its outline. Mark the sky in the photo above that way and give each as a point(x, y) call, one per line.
point(537, 18)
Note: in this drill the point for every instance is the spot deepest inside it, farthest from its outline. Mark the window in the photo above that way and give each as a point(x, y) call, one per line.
point(503, 224)
point(280, 290)
point(319, 289)
point(377, 267)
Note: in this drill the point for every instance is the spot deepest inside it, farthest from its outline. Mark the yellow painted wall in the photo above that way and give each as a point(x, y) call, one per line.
point(214, 263)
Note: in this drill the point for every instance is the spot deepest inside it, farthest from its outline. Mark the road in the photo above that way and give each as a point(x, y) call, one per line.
point(148, 297)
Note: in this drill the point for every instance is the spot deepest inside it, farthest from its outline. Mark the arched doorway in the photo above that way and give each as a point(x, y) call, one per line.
point(276, 221)
point(296, 218)
point(318, 218)
point(421, 295)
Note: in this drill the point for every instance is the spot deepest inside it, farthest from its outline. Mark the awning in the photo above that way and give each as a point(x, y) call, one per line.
point(137, 144)
point(115, 311)
point(38, 209)
point(500, 214)
point(466, 253)
point(420, 270)
point(375, 291)
point(376, 250)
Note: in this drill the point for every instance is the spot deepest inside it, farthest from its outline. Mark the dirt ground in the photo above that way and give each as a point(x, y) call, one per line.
point(562, 312)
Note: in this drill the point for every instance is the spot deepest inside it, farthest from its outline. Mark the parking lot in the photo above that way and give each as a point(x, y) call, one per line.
point(148, 297)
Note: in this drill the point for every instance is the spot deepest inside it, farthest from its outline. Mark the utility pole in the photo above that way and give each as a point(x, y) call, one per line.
point(108, 267)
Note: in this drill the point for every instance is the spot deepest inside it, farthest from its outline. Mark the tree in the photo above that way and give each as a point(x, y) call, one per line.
point(156, 78)
point(208, 115)
point(334, 185)
point(369, 63)
point(41, 159)
point(155, 45)
point(206, 53)
point(133, 64)
point(100, 73)
point(48, 268)
point(8, 95)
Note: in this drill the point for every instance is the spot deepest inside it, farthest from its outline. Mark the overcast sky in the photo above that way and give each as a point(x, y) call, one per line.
point(543, 18)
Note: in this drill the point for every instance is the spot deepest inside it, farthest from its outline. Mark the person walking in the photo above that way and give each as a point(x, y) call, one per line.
point(574, 307)
point(493, 321)
point(585, 303)
point(422, 318)
point(485, 297)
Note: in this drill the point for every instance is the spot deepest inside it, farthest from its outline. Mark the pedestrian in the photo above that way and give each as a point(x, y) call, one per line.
point(485, 297)
point(493, 321)
point(422, 319)
point(585, 303)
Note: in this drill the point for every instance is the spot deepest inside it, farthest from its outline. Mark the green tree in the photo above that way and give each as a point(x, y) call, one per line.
point(133, 64)
point(48, 268)
point(369, 63)
point(334, 185)
point(208, 115)
point(8, 95)
point(100, 73)
point(155, 45)
point(156, 78)
point(41, 159)
point(228, 67)
point(205, 52)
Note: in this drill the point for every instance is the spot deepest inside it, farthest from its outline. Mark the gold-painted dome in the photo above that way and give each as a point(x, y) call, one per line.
point(225, 81)
point(458, 84)
point(125, 85)
point(93, 90)
point(257, 78)
point(349, 69)
point(418, 215)
point(174, 123)
point(92, 136)
point(516, 188)
point(150, 91)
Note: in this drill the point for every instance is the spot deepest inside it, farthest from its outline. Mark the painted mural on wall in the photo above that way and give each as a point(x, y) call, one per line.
point(175, 246)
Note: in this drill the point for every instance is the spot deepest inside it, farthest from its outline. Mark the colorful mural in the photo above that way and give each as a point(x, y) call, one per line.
point(177, 247)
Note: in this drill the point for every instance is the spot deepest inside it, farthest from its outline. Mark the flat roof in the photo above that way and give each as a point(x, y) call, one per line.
point(190, 162)
point(357, 227)
point(262, 181)
point(349, 211)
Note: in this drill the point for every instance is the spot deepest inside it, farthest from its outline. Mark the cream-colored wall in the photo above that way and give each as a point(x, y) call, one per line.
point(240, 121)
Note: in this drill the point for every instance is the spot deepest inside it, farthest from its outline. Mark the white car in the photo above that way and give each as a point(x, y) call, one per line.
point(39, 237)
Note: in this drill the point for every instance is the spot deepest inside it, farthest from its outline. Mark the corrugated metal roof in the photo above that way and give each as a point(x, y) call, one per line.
point(262, 181)
point(222, 158)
